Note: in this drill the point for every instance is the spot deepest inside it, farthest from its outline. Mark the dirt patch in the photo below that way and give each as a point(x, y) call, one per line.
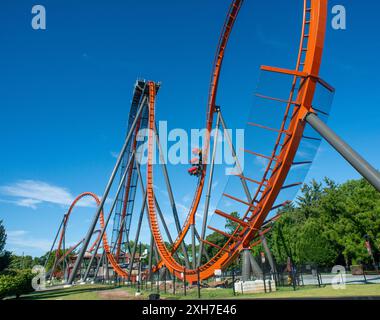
point(118, 294)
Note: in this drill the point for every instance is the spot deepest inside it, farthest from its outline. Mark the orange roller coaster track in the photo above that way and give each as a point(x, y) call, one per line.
point(62, 230)
point(306, 74)
point(262, 201)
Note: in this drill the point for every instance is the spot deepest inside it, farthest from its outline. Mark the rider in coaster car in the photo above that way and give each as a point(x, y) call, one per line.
point(197, 168)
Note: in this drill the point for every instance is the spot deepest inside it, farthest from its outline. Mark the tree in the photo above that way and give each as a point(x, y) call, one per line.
point(5, 260)
point(3, 236)
point(232, 225)
point(4, 255)
point(313, 246)
point(219, 239)
point(327, 225)
point(22, 262)
point(355, 212)
point(215, 238)
point(15, 283)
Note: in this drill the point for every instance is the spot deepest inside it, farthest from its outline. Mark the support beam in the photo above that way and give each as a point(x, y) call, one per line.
point(58, 260)
point(137, 237)
point(105, 263)
point(237, 162)
point(268, 253)
point(194, 254)
point(209, 187)
point(103, 259)
point(64, 254)
point(204, 249)
point(362, 166)
point(225, 234)
point(216, 246)
point(105, 194)
point(171, 196)
point(150, 259)
point(232, 218)
point(156, 255)
point(255, 267)
point(256, 270)
point(159, 212)
point(121, 228)
point(109, 216)
point(52, 247)
point(246, 265)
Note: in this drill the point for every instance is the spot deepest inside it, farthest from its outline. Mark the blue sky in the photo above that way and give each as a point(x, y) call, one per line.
point(65, 92)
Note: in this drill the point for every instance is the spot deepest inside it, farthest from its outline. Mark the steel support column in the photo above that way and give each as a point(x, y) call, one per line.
point(171, 196)
point(360, 164)
point(150, 259)
point(159, 212)
point(132, 258)
point(101, 259)
point(209, 187)
point(105, 195)
point(246, 264)
point(194, 258)
point(204, 249)
point(256, 270)
point(233, 151)
point(264, 242)
point(109, 216)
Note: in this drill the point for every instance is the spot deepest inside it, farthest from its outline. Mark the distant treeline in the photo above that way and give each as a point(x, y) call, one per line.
point(329, 224)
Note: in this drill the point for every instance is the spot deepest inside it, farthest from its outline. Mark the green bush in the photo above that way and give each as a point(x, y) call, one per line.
point(15, 283)
point(6, 285)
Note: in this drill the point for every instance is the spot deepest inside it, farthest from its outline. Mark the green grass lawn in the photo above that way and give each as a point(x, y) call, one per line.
point(303, 292)
point(101, 292)
point(81, 292)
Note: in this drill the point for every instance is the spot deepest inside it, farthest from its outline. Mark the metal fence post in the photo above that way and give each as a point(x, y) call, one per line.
point(158, 282)
point(199, 284)
point(174, 283)
point(184, 282)
point(165, 280)
point(318, 278)
point(233, 282)
point(364, 275)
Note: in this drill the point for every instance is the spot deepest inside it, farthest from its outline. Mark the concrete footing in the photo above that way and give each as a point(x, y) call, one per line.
point(249, 287)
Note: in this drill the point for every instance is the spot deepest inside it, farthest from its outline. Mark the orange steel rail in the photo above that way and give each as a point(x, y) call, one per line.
point(111, 258)
point(279, 162)
point(217, 67)
point(71, 249)
point(58, 257)
point(68, 214)
point(306, 73)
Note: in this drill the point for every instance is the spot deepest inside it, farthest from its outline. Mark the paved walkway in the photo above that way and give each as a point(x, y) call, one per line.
point(350, 279)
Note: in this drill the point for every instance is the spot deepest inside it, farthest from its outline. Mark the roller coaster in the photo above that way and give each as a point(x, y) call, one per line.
point(258, 199)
